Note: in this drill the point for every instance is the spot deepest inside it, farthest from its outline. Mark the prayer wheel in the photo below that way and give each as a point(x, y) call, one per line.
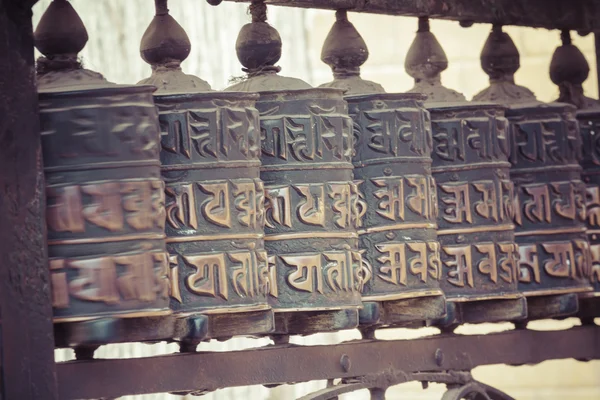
point(569, 69)
point(475, 194)
point(210, 148)
point(392, 163)
point(550, 218)
point(105, 199)
point(312, 206)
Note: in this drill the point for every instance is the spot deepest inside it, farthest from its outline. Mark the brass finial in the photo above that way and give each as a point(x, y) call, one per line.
point(425, 62)
point(500, 60)
point(569, 69)
point(345, 51)
point(60, 36)
point(258, 48)
point(164, 46)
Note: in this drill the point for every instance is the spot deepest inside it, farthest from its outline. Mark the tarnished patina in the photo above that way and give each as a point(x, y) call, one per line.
point(214, 196)
point(474, 191)
point(392, 167)
point(569, 69)
point(550, 214)
point(311, 202)
point(105, 199)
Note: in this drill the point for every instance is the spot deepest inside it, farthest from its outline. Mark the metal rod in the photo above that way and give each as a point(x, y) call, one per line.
point(280, 364)
point(550, 14)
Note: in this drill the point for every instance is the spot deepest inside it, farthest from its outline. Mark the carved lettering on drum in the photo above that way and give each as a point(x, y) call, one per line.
point(220, 133)
point(455, 139)
point(542, 202)
point(420, 259)
point(110, 279)
point(595, 264)
point(314, 204)
point(497, 261)
point(108, 205)
point(320, 135)
point(593, 206)
point(557, 259)
point(331, 271)
point(554, 141)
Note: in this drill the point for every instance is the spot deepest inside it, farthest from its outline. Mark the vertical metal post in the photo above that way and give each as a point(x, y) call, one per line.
point(27, 369)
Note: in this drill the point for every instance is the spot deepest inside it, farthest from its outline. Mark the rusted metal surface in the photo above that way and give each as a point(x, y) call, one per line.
point(26, 345)
point(569, 69)
point(271, 365)
point(551, 14)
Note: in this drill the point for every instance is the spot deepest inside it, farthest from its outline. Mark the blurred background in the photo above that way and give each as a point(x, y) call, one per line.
point(115, 28)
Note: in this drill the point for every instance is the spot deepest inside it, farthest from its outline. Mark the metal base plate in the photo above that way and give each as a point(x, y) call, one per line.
point(309, 322)
point(411, 312)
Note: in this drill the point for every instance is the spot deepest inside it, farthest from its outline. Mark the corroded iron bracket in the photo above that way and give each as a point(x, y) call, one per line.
point(583, 15)
point(356, 361)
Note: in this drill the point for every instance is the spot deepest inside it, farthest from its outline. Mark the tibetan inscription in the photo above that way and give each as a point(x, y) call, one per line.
point(392, 160)
point(214, 202)
point(551, 200)
point(105, 204)
point(589, 123)
point(312, 205)
point(476, 201)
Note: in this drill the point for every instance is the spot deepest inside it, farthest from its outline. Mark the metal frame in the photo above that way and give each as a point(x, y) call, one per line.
point(27, 367)
point(373, 363)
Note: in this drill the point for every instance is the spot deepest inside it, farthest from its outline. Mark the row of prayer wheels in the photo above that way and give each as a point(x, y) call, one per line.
point(273, 208)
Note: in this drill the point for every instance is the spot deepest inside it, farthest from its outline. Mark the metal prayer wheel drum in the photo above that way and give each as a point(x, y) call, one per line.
point(392, 168)
point(550, 213)
point(215, 210)
point(105, 199)
point(569, 69)
point(214, 196)
point(555, 254)
point(475, 195)
point(398, 234)
point(589, 127)
point(105, 203)
point(476, 209)
point(312, 207)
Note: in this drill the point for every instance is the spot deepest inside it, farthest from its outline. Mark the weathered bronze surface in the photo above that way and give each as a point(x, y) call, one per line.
point(545, 155)
point(392, 166)
point(569, 69)
point(214, 196)
point(105, 200)
point(312, 205)
point(475, 194)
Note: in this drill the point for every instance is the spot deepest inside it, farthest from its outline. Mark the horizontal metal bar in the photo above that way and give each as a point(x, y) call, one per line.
point(582, 15)
point(291, 363)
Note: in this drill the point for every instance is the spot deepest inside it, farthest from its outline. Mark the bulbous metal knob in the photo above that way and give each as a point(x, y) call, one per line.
point(164, 46)
point(60, 36)
point(60, 31)
point(500, 60)
point(164, 40)
point(258, 48)
point(568, 70)
point(345, 51)
point(425, 62)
